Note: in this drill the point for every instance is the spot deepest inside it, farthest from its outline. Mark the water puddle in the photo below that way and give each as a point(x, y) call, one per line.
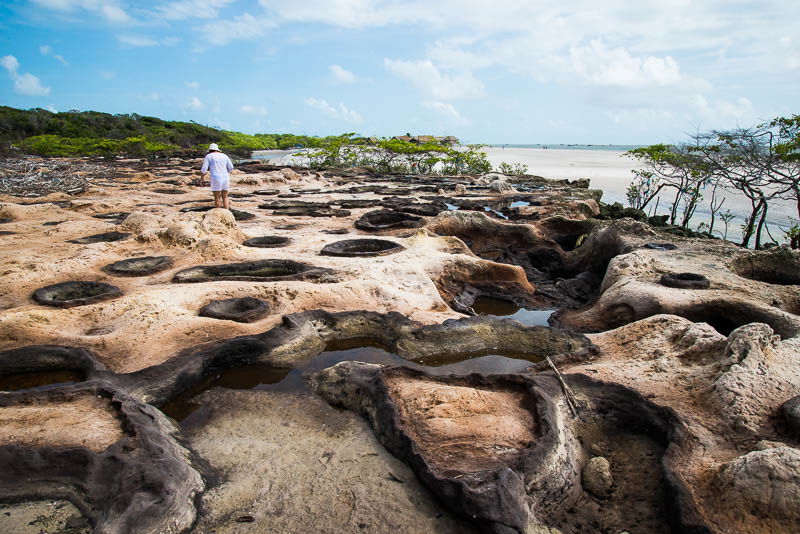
point(451, 207)
point(190, 412)
point(39, 380)
point(519, 204)
point(509, 310)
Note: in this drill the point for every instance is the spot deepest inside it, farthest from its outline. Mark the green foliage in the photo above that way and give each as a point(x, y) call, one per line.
point(517, 169)
point(395, 156)
point(788, 137)
point(58, 146)
point(726, 217)
point(676, 167)
point(90, 133)
point(792, 235)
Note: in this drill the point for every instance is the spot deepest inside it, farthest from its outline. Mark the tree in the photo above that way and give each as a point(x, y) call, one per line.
point(668, 166)
point(742, 160)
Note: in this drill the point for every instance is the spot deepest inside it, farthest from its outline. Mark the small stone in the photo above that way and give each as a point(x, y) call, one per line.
point(596, 477)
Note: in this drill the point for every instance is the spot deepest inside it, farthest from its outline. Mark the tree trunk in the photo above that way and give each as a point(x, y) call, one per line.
point(674, 212)
point(750, 223)
point(761, 223)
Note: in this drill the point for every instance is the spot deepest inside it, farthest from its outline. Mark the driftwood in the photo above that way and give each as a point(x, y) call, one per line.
point(36, 177)
point(568, 394)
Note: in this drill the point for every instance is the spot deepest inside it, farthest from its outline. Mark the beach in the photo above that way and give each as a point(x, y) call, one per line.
point(609, 171)
point(606, 169)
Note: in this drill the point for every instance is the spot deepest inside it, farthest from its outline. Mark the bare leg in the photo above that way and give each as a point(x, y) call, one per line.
point(218, 198)
point(225, 201)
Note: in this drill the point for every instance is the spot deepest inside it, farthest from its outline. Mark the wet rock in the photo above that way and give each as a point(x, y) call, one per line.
point(362, 248)
point(660, 246)
point(252, 271)
point(356, 203)
point(169, 191)
point(379, 220)
point(112, 216)
point(268, 241)
point(596, 477)
point(685, 280)
point(141, 266)
point(241, 310)
point(302, 211)
point(106, 237)
point(71, 294)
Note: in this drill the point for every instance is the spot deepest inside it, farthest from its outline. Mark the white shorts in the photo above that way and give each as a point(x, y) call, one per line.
point(220, 183)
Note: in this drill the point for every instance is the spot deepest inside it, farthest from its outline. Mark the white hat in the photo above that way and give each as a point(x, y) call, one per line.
point(213, 146)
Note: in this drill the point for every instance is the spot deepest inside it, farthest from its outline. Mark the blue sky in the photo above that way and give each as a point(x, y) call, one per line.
point(504, 71)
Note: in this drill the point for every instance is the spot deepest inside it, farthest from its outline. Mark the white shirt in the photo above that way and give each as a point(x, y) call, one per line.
point(218, 163)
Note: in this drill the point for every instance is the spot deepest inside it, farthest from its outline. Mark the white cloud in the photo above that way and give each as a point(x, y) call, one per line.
point(597, 64)
point(254, 110)
point(25, 83)
point(193, 85)
point(108, 9)
point(188, 9)
point(196, 104)
point(447, 110)
point(138, 41)
point(114, 13)
point(432, 83)
point(152, 96)
point(244, 26)
point(47, 50)
point(341, 113)
point(722, 112)
point(342, 76)
point(108, 74)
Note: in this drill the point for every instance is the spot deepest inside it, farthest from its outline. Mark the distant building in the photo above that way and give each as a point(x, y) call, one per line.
point(405, 138)
point(450, 140)
point(422, 139)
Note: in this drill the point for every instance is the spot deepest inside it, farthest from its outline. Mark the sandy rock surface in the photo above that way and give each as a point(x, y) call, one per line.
point(87, 421)
point(292, 463)
point(677, 407)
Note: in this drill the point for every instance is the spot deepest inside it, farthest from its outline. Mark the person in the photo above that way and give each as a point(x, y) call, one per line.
point(219, 165)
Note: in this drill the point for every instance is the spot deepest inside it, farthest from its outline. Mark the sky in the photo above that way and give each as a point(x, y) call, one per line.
point(499, 71)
